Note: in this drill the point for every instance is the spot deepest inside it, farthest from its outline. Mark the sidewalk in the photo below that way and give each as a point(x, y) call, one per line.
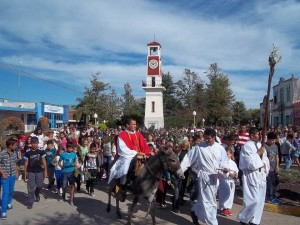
point(92, 210)
point(284, 208)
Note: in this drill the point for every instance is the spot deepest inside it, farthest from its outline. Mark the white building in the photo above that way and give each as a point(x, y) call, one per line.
point(283, 106)
point(26, 111)
point(154, 113)
point(285, 93)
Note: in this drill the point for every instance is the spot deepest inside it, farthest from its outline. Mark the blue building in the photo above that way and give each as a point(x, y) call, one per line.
point(31, 112)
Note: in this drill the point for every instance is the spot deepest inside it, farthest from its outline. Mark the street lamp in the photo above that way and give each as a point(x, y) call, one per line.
point(203, 121)
point(95, 116)
point(194, 114)
point(19, 81)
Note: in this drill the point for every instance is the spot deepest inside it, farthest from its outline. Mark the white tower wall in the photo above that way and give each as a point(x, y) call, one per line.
point(154, 113)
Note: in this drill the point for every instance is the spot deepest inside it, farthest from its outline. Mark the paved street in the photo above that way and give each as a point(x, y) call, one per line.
point(91, 210)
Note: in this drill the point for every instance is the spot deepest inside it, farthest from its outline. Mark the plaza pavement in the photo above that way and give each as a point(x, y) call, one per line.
point(91, 210)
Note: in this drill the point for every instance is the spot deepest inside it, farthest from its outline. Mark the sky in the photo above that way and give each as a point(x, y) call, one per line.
point(50, 49)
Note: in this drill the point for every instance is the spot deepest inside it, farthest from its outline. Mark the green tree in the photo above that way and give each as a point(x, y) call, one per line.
point(114, 106)
point(95, 100)
point(130, 105)
point(239, 112)
point(190, 92)
point(219, 96)
point(186, 87)
point(253, 116)
point(171, 104)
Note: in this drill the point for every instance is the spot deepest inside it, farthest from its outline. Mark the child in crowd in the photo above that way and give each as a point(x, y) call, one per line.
point(50, 153)
point(272, 153)
point(84, 149)
point(8, 161)
point(227, 185)
point(92, 167)
point(35, 170)
point(286, 150)
point(107, 154)
point(57, 170)
point(77, 173)
point(67, 162)
point(176, 182)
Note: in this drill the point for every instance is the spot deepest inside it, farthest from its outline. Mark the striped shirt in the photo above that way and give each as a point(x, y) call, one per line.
point(8, 163)
point(243, 138)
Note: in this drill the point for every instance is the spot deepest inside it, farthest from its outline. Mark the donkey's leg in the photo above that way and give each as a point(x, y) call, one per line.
point(152, 212)
point(131, 209)
point(110, 188)
point(119, 214)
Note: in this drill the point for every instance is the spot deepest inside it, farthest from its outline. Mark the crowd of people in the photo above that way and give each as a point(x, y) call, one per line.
point(214, 160)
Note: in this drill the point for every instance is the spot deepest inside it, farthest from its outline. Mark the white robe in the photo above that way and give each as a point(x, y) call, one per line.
point(210, 159)
point(122, 164)
point(254, 182)
point(227, 186)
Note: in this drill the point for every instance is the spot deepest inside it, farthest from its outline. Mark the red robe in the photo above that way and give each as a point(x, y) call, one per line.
point(135, 142)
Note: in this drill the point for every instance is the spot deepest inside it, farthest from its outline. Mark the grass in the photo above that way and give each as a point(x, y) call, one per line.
point(292, 176)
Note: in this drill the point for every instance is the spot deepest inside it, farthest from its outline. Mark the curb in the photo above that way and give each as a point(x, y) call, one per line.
point(281, 209)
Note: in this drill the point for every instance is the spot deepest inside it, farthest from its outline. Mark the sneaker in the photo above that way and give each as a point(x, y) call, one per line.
point(9, 207)
point(29, 207)
point(49, 187)
point(225, 212)
point(229, 211)
point(194, 218)
point(71, 203)
point(275, 201)
point(242, 223)
point(92, 194)
point(60, 191)
point(63, 197)
point(3, 216)
point(174, 210)
point(20, 177)
point(37, 197)
point(163, 206)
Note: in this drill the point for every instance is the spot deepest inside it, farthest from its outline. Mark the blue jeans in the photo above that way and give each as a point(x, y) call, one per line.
point(288, 161)
point(58, 179)
point(8, 187)
point(270, 192)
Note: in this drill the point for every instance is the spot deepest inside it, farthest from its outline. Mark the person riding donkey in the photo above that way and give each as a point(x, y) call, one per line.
point(130, 146)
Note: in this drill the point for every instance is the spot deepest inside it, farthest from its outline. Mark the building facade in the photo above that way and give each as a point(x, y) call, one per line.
point(31, 112)
point(284, 108)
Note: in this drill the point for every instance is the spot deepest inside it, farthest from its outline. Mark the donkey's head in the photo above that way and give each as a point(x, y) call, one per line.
point(170, 160)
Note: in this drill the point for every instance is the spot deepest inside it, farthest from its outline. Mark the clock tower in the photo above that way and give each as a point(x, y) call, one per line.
point(154, 113)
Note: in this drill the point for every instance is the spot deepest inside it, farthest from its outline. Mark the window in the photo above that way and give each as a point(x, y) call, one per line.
point(288, 96)
point(153, 51)
point(153, 81)
point(153, 107)
point(281, 96)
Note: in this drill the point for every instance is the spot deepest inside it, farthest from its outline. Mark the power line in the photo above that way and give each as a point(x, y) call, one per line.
point(30, 74)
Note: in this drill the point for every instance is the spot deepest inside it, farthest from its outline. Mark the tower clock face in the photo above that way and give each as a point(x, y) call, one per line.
point(153, 63)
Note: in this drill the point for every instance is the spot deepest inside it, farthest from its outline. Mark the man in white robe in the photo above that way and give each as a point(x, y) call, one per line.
point(211, 157)
point(255, 166)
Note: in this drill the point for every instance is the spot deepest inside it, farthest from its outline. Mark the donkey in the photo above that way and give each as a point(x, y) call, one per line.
point(146, 183)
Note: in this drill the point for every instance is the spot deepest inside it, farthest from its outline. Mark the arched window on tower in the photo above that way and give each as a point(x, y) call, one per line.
point(153, 51)
point(153, 107)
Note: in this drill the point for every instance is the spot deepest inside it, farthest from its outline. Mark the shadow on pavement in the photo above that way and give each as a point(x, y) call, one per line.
point(21, 197)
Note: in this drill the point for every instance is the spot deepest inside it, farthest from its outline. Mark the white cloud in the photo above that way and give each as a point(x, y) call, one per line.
point(77, 38)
